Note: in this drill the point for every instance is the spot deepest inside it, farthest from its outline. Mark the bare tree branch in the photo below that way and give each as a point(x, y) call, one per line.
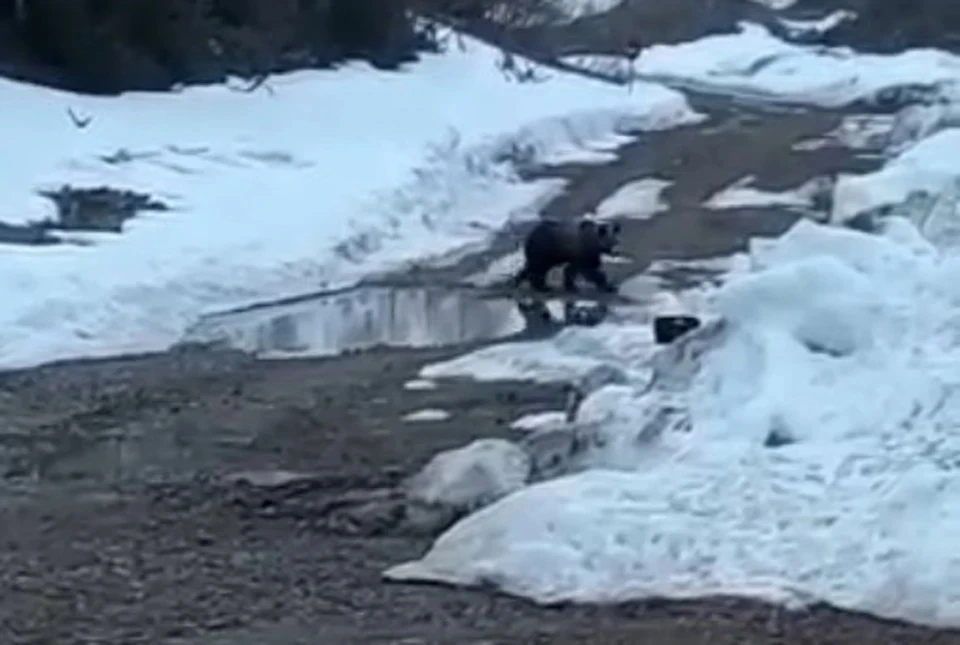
point(80, 122)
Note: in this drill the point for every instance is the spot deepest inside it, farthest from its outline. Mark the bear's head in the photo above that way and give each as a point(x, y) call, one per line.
point(608, 233)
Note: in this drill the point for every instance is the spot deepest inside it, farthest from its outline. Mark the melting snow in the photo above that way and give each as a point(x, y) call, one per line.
point(638, 199)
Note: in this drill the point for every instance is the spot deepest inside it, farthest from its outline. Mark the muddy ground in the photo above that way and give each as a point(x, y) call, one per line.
point(121, 524)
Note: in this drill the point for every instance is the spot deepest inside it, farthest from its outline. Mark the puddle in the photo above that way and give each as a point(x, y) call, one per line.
point(366, 317)
point(47, 457)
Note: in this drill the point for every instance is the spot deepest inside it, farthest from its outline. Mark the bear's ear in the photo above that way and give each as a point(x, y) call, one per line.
point(608, 229)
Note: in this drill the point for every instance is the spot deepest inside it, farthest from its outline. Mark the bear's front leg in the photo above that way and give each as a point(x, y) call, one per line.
point(570, 272)
point(599, 278)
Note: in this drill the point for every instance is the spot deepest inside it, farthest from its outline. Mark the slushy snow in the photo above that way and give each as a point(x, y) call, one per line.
point(280, 193)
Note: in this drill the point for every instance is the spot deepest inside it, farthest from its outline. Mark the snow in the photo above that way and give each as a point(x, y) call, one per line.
point(419, 385)
point(280, 193)
point(574, 351)
point(839, 344)
point(499, 269)
point(776, 5)
point(540, 421)
point(427, 415)
point(637, 199)
point(742, 195)
point(929, 166)
point(746, 196)
point(754, 64)
point(472, 476)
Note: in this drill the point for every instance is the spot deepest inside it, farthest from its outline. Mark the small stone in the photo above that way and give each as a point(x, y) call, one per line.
point(267, 478)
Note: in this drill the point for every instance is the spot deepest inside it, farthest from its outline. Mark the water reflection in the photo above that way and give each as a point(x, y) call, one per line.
point(367, 317)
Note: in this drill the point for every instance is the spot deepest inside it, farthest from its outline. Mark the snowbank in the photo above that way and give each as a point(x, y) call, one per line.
point(928, 167)
point(333, 175)
point(755, 64)
point(841, 346)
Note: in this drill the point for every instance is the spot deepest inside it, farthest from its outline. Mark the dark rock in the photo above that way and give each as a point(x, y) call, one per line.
point(97, 209)
point(778, 440)
point(667, 329)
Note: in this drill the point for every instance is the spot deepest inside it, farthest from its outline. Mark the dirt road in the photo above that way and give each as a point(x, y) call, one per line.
point(121, 525)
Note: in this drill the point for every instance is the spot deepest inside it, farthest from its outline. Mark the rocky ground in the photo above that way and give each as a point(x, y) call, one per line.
point(123, 520)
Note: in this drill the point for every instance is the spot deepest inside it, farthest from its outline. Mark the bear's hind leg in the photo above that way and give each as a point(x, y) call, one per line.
point(570, 272)
point(538, 279)
point(599, 278)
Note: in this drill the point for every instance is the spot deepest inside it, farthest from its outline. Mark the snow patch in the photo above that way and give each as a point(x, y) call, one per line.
point(427, 415)
point(742, 195)
point(540, 421)
point(420, 385)
point(573, 352)
point(863, 132)
point(639, 199)
point(801, 28)
point(776, 5)
point(472, 476)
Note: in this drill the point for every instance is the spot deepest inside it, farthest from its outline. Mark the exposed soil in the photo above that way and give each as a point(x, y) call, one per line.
point(121, 524)
point(102, 209)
